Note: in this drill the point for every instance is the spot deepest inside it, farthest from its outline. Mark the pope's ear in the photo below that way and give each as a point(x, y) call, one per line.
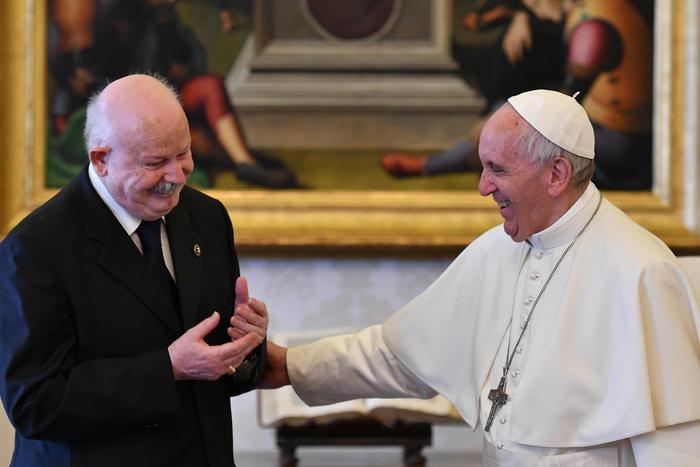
point(559, 176)
point(98, 159)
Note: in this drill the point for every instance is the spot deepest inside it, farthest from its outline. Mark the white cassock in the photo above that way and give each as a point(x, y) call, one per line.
point(607, 372)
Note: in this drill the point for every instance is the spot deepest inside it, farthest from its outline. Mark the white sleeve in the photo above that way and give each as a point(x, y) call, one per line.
point(670, 446)
point(351, 366)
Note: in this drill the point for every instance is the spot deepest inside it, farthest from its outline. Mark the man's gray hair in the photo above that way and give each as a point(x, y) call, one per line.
point(540, 151)
point(98, 125)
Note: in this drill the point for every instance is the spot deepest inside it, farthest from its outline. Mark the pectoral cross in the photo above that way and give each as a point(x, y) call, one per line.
point(498, 397)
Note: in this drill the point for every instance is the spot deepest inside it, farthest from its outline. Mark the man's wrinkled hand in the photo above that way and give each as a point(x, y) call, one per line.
point(192, 358)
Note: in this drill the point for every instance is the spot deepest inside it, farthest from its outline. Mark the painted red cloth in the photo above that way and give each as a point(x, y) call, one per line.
point(206, 95)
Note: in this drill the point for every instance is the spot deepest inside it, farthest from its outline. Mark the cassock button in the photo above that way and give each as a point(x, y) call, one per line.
point(503, 420)
point(538, 255)
point(534, 276)
point(499, 445)
point(528, 301)
point(196, 249)
point(515, 373)
point(519, 349)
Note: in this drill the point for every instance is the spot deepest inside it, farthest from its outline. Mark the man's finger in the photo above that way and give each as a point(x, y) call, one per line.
point(242, 296)
point(236, 333)
point(245, 313)
point(204, 327)
point(258, 307)
point(247, 327)
point(239, 347)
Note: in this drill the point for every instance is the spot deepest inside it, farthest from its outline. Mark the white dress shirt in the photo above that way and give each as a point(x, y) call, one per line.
point(129, 222)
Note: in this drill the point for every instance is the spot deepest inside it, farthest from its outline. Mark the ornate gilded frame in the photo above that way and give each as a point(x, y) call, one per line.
point(376, 222)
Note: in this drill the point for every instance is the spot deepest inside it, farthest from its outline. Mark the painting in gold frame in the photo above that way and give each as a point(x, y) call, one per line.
point(370, 221)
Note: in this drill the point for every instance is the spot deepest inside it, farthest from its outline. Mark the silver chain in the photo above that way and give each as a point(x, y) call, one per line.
point(509, 359)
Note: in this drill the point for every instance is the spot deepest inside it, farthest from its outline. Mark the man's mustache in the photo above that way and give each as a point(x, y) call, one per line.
point(165, 188)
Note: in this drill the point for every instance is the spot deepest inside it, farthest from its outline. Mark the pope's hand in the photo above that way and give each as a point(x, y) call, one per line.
point(275, 375)
point(250, 314)
point(192, 358)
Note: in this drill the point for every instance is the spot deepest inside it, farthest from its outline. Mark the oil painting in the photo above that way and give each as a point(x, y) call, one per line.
point(361, 95)
point(353, 126)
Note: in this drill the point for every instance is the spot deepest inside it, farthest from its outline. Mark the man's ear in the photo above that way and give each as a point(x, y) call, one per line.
point(560, 173)
point(98, 159)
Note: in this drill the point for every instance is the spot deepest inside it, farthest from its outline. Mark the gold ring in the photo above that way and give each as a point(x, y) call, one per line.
point(231, 370)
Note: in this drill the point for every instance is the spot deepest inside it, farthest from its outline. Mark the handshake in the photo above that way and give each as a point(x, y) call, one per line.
point(193, 359)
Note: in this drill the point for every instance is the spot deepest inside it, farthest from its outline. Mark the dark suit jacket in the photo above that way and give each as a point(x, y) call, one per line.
point(84, 328)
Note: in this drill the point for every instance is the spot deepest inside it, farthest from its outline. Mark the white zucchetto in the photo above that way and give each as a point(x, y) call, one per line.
point(559, 118)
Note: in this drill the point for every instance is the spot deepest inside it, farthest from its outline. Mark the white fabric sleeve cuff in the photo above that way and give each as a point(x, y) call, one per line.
point(351, 366)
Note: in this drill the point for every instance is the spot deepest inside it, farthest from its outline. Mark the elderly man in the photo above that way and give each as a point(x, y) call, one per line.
point(97, 288)
point(573, 342)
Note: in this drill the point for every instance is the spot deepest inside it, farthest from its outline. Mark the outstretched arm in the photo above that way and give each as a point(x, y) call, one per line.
point(276, 374)
point(349, 367)
point(337, 368)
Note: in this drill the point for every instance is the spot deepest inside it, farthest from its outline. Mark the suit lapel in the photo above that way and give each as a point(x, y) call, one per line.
point(119, 256)
point(186, 248)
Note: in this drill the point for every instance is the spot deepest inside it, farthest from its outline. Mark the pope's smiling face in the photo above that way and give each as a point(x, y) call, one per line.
point(518, 185)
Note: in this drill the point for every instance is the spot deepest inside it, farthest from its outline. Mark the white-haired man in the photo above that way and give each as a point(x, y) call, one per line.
point(115, 298)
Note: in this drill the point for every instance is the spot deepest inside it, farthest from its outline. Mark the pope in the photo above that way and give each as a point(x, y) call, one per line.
point(568, 334)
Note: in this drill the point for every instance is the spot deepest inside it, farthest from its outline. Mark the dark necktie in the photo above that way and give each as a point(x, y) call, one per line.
point(149, 233)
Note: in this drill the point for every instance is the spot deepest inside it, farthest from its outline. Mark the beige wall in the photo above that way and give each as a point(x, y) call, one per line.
point(7, 435)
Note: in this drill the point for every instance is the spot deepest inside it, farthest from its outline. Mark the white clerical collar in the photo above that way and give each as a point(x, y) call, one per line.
point(568, 225)
point(127, 221)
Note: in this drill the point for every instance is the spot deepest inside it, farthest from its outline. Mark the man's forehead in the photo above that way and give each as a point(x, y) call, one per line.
point(501, 130)
point(138, 98)
point(138, 125)
point(506, 119)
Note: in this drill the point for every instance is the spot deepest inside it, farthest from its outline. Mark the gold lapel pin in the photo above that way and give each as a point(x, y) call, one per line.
point(196, 249)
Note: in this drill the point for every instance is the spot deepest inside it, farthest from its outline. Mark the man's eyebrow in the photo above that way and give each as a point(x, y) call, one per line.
point(152, 156)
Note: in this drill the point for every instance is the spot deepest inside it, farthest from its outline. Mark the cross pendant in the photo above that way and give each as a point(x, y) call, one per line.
point(498, 397)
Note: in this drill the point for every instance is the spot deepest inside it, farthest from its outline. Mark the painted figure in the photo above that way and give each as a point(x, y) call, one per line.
point(93, 41)
point(609, 63)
